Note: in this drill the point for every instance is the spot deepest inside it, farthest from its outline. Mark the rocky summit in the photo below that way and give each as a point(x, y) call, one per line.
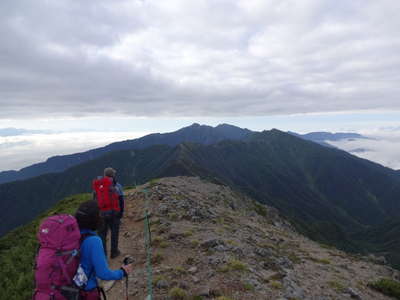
point(210, 242)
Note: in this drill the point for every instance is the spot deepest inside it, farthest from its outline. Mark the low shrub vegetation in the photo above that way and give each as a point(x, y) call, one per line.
point(387, 286)
point(177, 293)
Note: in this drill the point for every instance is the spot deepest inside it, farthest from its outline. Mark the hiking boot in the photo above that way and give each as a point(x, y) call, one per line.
point(115, 254)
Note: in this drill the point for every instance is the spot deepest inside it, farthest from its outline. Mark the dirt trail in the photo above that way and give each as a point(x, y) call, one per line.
point(131, 242)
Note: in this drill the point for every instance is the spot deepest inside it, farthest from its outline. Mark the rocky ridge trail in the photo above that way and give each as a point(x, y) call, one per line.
point(209, 242)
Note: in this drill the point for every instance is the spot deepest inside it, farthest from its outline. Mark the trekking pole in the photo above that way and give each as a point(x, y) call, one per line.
point(127, 260)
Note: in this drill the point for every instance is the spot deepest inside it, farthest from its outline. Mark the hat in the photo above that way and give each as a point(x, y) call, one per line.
point(109, 172)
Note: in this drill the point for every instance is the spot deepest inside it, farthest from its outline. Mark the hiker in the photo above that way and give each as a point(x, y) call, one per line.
point(121, 199)
point(107, 193)
point(92, 258)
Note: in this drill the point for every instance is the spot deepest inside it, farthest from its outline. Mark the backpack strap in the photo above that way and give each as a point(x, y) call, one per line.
point(72, 254)
point(63, 268)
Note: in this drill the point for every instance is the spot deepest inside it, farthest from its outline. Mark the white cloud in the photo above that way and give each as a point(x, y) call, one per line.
point(383, 148)
point(23, 150)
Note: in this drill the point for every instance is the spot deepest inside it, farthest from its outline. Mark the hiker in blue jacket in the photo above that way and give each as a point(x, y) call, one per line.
point(92, 258)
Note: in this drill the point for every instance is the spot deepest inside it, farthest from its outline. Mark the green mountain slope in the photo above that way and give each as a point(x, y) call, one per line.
point(383, 240)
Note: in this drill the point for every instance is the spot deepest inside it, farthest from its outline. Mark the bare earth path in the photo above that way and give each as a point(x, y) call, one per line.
point(131, 242)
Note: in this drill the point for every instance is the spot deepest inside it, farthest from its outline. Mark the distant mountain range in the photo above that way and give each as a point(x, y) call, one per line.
point(195, 133)
point(322, 137)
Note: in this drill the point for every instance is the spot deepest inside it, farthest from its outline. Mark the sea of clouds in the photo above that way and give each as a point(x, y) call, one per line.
point(382, 147)
point(22, 150)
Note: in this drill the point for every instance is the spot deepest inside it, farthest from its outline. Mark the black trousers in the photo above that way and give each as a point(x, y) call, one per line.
point(111, 220)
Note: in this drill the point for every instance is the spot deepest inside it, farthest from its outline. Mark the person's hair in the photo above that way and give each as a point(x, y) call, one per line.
point(88, 215)
point(109, 172)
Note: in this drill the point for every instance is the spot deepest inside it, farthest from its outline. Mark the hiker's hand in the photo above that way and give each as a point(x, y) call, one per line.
point(127, 268)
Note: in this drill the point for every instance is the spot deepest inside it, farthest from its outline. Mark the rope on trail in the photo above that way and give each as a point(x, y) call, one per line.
point(147, 239)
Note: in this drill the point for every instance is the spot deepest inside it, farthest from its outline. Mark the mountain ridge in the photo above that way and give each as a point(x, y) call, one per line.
point(195, 133)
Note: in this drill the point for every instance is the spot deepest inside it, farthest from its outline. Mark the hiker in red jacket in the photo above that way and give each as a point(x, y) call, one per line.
point(108, 199)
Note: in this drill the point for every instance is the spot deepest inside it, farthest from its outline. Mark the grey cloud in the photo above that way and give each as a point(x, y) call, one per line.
point(188, 58)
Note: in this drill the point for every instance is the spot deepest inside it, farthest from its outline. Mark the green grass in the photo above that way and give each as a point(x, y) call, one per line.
point(177, 293)
point(337, 286)
point(158, 278)
point(233, 265)
point(188, 233)
point(157, 258)
point(323, 261)
point(248, 287)
point(18, 249)
point(153, 182)
point(260, 209)
point(237, 265)
point(387, 286)
point(294, 258)
point(276, 285)
point(179, 270)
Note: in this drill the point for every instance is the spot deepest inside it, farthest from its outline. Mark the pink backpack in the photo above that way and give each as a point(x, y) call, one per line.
point(57, 259)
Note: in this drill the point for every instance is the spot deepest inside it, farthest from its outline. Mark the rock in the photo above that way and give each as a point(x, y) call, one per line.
point(183, 285)
point(192, 270)
point(284, 262)
point(292, 290)
point(210, 274)
point(195, 279)
point(163, 209)
point(213, 260)
point(134, 292)
point(199, 213)
point(162, 284)
point(262, 252)
point(381, 260)
point(202, 291)
point(195, 219)
point(255, 283)
point(353, 293)
point(212, 243)
point(215, 292)
point(176, 235)
point(238, 251)
point(221, 248)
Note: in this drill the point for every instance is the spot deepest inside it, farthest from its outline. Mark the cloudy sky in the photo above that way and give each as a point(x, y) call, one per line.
point(85, 73)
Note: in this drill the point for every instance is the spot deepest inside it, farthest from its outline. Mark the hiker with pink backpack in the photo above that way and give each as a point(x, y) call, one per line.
point(71, 257)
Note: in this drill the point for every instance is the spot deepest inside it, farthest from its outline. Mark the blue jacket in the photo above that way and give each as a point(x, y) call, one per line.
point(94, 262)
